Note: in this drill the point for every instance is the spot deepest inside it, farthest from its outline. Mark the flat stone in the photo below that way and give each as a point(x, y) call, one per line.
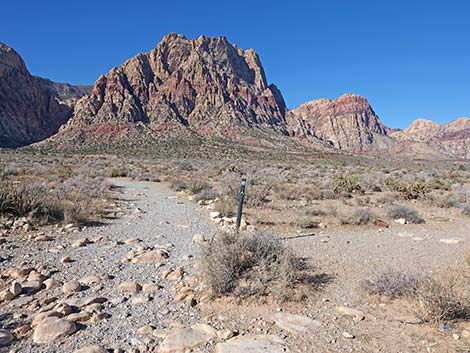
point(93, 279)
point(84, 301)
point(344, 310)
point(451, 241)
point(252, 344)
point(5, 338)
point(51, 329)
point(186, 338)
point(79, 317)
point(71, 287)
point(150, 256)
point(91, 349)
point(21, 301)
point(130, 287)
point(296, 323)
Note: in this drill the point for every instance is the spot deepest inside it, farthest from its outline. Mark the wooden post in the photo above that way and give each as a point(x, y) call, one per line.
point(240, 203)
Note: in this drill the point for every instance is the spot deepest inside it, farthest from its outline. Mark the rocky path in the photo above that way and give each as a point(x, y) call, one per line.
point(116, 282)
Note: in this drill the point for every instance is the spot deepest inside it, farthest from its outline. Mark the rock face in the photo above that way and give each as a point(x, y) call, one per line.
point(347, 123)
point(30, 110)
point(452, 139)
point(206, 85)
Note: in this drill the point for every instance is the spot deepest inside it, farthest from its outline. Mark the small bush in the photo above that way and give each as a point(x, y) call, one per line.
point(227, 207)
point(306, 224)
point(28, 202)
point(197, 186)
point(362, 216)
point(206, 194)
point(248, 265)
point(408, 213)
point(466, 210)
point(256, 195)
point(315, 212)
point(345, 183)
point(442, 299)
point(118, 172)
point(178, 186)
point(391, 283)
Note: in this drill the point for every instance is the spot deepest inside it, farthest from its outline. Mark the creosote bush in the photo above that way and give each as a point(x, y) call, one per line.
point(442, 298)
point(249, 264)
point(402, 211)
point(346, 183)
point(391, 283)
point(195, 187)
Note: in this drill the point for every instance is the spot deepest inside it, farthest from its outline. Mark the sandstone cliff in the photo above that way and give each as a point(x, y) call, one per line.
point(347, 123)
point(207, 85)
point(30, 110)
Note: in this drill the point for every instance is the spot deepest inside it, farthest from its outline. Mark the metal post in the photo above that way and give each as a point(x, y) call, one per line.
point(240, 203)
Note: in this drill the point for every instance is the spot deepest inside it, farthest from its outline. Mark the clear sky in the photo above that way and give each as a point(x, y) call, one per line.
point(411, 59)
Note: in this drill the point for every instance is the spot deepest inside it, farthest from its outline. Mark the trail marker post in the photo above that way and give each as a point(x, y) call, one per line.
point(240, 203)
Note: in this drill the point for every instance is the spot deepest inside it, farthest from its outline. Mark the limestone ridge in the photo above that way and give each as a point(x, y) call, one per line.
point(206, 85)
point(347, 123)
point(30, 109)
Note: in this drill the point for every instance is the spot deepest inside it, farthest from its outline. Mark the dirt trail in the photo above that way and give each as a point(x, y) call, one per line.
point(155, 218)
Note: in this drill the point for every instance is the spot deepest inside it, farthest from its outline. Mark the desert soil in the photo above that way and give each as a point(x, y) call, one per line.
point(339, 317)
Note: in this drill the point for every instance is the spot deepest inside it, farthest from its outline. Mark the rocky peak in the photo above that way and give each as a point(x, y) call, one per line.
point(29, 107)
point(348, 123)
point(206, 84)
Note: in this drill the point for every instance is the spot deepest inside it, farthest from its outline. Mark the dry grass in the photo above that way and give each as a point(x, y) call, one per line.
point(249, 265)
point(391, 283)
point(443, 298)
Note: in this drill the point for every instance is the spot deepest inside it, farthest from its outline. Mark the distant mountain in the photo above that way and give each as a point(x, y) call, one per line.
point(452, 139)
point(206, 85)
point(30, 109)
point(347, 123)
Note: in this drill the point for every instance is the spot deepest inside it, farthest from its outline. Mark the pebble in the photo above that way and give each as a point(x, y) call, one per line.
point(347, 335)
point(130, 287)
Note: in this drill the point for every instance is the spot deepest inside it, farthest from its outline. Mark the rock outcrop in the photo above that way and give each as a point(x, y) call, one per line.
point(347, 123)
point(452, 139)
point(206, 85)
point(30, 109)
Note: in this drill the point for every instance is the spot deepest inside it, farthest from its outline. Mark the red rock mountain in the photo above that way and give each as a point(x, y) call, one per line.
point(452, 139)
point(207, 85)
point(30, 109)
point(347, 123)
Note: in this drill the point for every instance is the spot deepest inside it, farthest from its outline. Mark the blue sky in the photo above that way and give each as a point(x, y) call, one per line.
point(411, 59)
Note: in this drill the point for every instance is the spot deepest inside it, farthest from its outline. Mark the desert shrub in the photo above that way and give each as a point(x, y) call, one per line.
point(305, 223)
point(177, 185)
point(442, 298)
point(118, 172)
point(345, 183)
point(227, 206)
point(206, 194)
point(406, 212)
point(443, 200)
point(391, 283)
point(186, 166)
point(466, 210)
point(409, 190)
point(315, 212)
point(256, 195)
point(28, 202)
point(362, 216)
point(247, 264)
point(195, 187)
